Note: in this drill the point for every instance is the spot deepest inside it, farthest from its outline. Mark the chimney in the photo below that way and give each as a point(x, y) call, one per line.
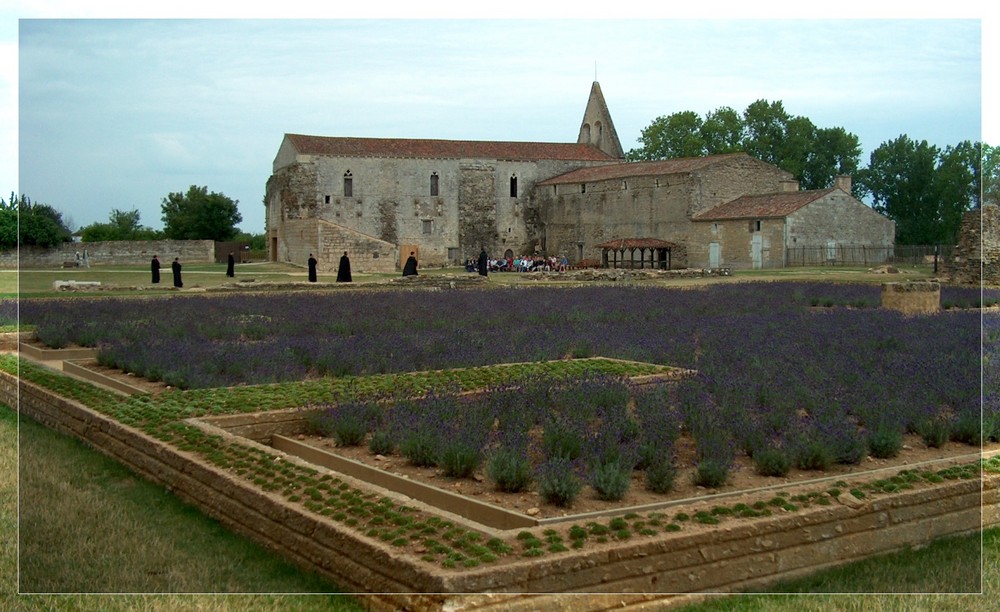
point(789, 185)
point(843, 182)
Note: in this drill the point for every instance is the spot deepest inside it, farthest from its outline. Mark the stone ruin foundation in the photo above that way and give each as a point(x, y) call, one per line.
point(915, 297)
point(976, 258)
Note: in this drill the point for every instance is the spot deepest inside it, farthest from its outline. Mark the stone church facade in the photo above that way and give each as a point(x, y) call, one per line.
point(379, 199)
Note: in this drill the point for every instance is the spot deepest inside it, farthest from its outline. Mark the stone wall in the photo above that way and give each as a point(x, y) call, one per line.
point(976, 258)
point(577, 217)
point(392, 200)
point(741, 554)
point(114, 252)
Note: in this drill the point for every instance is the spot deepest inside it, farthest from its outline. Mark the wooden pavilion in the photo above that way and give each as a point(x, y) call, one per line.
point(613, 253)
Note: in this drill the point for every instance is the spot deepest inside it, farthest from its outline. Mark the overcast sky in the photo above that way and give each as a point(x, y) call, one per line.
point(119, 113)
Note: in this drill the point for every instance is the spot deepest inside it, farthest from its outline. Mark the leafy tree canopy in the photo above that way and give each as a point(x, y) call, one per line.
point(764, 130)
point(991, 174)
point(23, 222)
point(121, 225)
point(924, 189)
point(200, 215)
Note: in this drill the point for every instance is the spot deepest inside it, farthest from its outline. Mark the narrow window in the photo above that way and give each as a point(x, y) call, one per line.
point(434, 184)
point(513, 185)
point(428, 226)
point(583, 187)
point(326, 199)
point(757, 225)
point(624, 185)
point(348, 185)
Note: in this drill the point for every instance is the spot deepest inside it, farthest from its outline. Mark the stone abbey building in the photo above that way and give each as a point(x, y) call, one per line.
point(379, 199)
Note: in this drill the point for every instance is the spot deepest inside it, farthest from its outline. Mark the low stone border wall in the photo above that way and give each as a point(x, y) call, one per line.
point(736, 555)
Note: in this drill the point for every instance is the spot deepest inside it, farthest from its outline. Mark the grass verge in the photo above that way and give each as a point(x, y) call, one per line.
point(88, 525)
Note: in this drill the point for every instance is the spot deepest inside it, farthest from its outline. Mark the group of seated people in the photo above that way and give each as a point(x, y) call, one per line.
point(522, 264)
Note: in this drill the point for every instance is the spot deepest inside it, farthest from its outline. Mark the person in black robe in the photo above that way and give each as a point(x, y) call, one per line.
point(344, 271)
point(176, 268)
point(312, 268)
point(483, 265)
point(231, 266)
point(154, 269)
point(410, 268)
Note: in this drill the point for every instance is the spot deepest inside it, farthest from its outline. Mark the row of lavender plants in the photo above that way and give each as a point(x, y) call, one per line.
point(543, 434)
point(775, 371)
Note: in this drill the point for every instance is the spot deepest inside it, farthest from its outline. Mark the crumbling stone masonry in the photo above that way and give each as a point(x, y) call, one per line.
point(977, 254)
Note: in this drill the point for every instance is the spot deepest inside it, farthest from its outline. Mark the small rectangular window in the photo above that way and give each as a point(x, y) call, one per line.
point(428, 226)
point(326, 199)
point(513, 186)
point(434, 184)
point(583, 187)
point(348, 187)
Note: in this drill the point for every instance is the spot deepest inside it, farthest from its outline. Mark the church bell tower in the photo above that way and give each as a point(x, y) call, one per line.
point(597, 129)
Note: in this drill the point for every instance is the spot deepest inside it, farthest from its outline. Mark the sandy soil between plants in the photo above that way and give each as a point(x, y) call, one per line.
point(742, 477)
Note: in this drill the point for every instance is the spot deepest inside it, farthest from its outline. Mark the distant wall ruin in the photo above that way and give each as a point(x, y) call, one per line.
point(977, 255)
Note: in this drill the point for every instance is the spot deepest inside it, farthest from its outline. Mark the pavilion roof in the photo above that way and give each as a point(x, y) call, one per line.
point(620, 244)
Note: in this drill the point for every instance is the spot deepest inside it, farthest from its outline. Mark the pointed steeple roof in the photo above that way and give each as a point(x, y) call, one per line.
point(597, 129)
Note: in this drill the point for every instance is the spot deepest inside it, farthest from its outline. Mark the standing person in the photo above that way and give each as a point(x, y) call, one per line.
point(483, 265)
point(312, 268)
point(176, 269)
point(410, 269)
point(154, 269)
point(344, 271)
point(231, 266)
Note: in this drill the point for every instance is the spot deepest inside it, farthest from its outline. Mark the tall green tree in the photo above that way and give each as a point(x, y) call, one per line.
point(32, 224)
point(200, 215)
point(925, 190)
point(766, 127)
point(990, 174)
point(766, 131)
point(121, 225)
point(834, 152)
point(676, 135)
point(722, 131)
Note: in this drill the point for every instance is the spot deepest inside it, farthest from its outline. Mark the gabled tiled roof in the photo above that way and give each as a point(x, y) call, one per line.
point(443, 149)
point(765, 206)
point(651, 168)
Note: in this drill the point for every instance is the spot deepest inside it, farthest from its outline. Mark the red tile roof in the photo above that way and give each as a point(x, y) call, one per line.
point(620, 244)
point(443, 149)
point(769, 205)
point(680, 165)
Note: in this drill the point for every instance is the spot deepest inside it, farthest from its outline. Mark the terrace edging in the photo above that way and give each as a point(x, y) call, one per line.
point(741, 555)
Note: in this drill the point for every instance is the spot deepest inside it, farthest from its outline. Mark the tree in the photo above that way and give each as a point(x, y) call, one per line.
point(677, 135)
point(923, 189)
point(121, 225)
point(766, 131)
point(765, 124)
point(722, 131)
point(990, 174)
point(958, 186)
point(23, 222)
point(834, 152)
point(200, 215)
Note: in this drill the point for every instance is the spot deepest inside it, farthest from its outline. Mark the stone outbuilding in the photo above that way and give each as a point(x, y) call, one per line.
point(791, 227)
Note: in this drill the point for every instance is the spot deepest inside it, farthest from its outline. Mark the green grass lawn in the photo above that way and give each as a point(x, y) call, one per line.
point(89, 525)
point(38, 282)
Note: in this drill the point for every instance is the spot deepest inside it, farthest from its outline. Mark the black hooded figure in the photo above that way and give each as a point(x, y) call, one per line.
point(312, 268)
point(483, 265)
point(231, 266)
point(410, 269)
point(344, 271)
point(154, 269)
point(176, 268)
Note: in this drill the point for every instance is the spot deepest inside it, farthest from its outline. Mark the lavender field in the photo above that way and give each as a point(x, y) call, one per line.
point(760, 348)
